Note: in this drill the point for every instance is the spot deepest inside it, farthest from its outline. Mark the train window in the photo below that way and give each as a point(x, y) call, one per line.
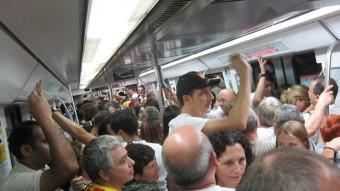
point(305, 67)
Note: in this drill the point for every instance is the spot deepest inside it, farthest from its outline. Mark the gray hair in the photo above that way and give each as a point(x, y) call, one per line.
point(287, 169)
point(252, 121)
point(151, 113)
point(287, 112)
point(97, 155)
point(187, 174)
point(267, 109)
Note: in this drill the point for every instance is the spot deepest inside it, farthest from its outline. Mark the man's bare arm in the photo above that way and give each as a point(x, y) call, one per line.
point(73, 128)
point(64, 163)
point(238, 115)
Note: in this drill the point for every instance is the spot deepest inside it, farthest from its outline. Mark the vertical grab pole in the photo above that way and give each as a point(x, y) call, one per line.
point(328, 65)
point(159, 76)
point(109, 84)
point(74, 105)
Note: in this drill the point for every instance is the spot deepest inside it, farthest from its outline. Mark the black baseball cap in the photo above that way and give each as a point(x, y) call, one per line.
point(193, 80)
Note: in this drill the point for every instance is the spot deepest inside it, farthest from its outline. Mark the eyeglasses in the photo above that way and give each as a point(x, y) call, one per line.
point(303, 99)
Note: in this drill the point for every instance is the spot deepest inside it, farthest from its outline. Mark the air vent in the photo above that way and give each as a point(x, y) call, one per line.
point(176, 6)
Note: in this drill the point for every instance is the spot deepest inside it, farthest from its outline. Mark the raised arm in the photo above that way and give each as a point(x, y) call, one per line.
point(64, 163)
point(238, 115)
point(260, 88)
point(73, 128)
point(315, 121)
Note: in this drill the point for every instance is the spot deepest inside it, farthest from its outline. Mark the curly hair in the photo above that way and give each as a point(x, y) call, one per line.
point(222, 139)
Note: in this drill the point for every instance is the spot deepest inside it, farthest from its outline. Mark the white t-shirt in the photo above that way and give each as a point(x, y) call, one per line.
point(215, 114)
point(22, 178)
point(265, 133)
point(316, 138)
point(186, 119)
point(158, 155)
point(260, 147)
point(215, 188)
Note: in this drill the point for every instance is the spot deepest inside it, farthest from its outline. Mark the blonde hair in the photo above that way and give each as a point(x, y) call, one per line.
point(290, 95)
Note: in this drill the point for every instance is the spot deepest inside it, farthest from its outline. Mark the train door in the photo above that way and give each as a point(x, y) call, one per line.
point(305, 67)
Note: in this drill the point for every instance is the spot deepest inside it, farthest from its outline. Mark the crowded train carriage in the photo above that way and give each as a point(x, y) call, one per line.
point(158, 95)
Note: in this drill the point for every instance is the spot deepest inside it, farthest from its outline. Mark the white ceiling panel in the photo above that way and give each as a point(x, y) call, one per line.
point(51, 87)
point(51, 29)
point(16, 67)
point(334, 25)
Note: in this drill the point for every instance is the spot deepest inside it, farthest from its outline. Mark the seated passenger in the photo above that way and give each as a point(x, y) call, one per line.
point(145, 169)
point(290, 169)
point(106, 162)
point(34, 144)
point(233, 155)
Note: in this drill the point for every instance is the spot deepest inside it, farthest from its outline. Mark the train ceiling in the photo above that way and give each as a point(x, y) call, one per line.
point(45, 39)
point(183, 27)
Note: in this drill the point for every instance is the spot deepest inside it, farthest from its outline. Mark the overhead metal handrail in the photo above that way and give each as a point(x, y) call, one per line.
point(328, 65)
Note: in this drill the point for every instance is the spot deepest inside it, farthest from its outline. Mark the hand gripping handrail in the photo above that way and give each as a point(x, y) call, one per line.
point(328, 65)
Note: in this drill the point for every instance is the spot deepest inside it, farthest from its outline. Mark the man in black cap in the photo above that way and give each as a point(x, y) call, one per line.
point(194, 95)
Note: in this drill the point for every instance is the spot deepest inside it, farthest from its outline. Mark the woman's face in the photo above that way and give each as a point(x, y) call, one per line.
point(231, 166)
point(302, 103)
point(289, 140)
point(151, 171)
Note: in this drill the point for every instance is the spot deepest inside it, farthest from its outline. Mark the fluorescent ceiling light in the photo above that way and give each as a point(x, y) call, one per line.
point(308, 17)
point(109, 24)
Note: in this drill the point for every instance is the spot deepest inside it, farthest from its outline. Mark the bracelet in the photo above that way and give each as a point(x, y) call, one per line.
point(262, 75)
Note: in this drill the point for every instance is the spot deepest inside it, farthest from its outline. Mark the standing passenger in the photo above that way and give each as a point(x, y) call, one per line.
point(146, 169)
point(36, 144)
point(265, 86)
point(225, 95)
point(106, 162)
point(124, 123)
point(195, 98)
point(291, 169)
point(320, 98)
point(190, 160)
point(233, 156)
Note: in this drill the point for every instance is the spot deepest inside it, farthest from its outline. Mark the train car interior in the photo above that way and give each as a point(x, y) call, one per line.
point(84, 46)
